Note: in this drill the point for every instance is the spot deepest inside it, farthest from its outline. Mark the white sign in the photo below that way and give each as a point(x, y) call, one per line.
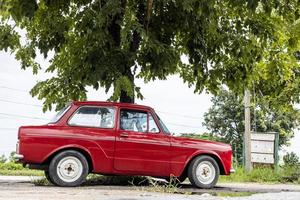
point(262, 148)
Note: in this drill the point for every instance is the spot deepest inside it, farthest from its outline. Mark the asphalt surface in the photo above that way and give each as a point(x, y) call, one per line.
point(22, 188)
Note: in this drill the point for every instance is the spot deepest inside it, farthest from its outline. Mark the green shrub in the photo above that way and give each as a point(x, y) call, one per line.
point(3, 159)
point(264, 174)
point(291, 159)
point(11, 166)
point(15, 169)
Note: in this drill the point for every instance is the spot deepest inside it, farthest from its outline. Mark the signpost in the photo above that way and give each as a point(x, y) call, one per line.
point(247, 133)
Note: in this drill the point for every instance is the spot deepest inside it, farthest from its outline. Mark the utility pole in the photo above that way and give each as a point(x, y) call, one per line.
point(247, 133)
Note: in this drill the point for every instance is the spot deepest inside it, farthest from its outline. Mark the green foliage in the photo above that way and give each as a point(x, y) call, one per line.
point(11, 166)
point(225, 120)
point(291, 159)
point(11, 157)
point(109, 43)
point(263, 175)
point(3, 159)
point(203, 136)
point(14, 169)
point(41, 182)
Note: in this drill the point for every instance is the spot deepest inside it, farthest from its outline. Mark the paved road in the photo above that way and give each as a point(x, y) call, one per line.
point(20, 188)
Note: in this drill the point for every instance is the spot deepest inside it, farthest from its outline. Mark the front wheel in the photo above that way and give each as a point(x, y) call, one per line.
point(204, 172)
point(46, 172)
point(68, 168)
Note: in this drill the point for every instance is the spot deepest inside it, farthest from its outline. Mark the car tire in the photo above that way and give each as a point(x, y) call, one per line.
point(68, 169)
point(203, 172)
point(46, 172)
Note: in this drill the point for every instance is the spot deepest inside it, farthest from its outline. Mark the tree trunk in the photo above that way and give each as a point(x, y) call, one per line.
point(115, 31)
point(124, 97)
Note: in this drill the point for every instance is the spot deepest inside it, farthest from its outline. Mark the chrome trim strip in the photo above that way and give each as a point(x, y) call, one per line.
point(18, 156)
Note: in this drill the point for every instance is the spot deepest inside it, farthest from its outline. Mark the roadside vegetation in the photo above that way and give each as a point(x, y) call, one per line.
point(265, 175)
point(14, 169)
point(289, 172)
point(8, 167)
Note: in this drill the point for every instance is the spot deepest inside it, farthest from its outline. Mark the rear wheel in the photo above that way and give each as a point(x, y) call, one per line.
point(204, 172)
point(68, 168)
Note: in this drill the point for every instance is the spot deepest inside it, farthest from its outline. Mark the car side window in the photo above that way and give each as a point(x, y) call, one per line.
point(153, 128)
point(93, 116)
point(133, 120)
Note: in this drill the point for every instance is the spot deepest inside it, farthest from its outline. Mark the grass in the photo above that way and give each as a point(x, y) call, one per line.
point(232, 194)
point(96, 179)
point(265, 175)
point(260, 174)
point(41, 182)
point(142, 183)
point(15, 169)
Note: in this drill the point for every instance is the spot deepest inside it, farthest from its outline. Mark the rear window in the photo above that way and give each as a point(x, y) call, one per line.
point(94, 116)
point(60, 114)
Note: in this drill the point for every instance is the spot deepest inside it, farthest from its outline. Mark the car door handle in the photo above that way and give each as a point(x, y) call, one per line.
point(125, 135)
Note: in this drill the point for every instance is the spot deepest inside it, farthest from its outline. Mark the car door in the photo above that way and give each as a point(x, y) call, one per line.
point(141, 147)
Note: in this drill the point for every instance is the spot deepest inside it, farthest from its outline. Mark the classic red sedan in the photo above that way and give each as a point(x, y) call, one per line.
point(118, 139)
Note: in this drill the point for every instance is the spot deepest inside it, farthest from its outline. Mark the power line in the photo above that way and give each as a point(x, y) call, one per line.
point(183, 125)
point(36, 105)
point(22, 116)
point(16, 102)
point(14, 89)
point(185, 116)
point(9, 129)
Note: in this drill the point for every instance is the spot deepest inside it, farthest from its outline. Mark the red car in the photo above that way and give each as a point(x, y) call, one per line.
point(118, 139)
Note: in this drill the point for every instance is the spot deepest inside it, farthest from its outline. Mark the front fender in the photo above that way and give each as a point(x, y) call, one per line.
point(205, 152)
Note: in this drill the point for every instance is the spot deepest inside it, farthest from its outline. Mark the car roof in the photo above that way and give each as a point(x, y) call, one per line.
point(106, 103)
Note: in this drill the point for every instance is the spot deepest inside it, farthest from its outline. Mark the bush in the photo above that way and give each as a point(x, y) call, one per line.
point(15, 169)
point(3, 159)
point(11, 166)
point(291, 159)
point(265, 174)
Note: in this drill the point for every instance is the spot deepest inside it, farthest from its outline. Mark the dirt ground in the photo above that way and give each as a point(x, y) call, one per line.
point(21, 188)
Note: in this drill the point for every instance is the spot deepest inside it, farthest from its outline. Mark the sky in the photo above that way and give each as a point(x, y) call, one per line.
point(178, 106)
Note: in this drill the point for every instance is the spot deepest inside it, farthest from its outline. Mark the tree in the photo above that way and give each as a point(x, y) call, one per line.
point(109, 43)
point(225, 119)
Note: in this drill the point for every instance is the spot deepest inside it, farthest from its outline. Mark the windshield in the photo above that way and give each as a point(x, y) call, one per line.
point(60, 114)
point(163, 126)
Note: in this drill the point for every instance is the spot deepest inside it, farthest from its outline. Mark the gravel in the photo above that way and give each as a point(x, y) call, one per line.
point(20, 188)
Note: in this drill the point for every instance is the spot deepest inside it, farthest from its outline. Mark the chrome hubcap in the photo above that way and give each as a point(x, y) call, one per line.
point(205, 172)
point(69, 169)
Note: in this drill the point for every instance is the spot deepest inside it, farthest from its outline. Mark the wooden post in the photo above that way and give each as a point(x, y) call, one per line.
point(247, 134)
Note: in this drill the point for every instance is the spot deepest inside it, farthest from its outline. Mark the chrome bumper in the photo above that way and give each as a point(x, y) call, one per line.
point(232, 170)
point(18, 157)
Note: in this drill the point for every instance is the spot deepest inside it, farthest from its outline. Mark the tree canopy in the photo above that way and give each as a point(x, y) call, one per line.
point(109, 43)
point(225, 120)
